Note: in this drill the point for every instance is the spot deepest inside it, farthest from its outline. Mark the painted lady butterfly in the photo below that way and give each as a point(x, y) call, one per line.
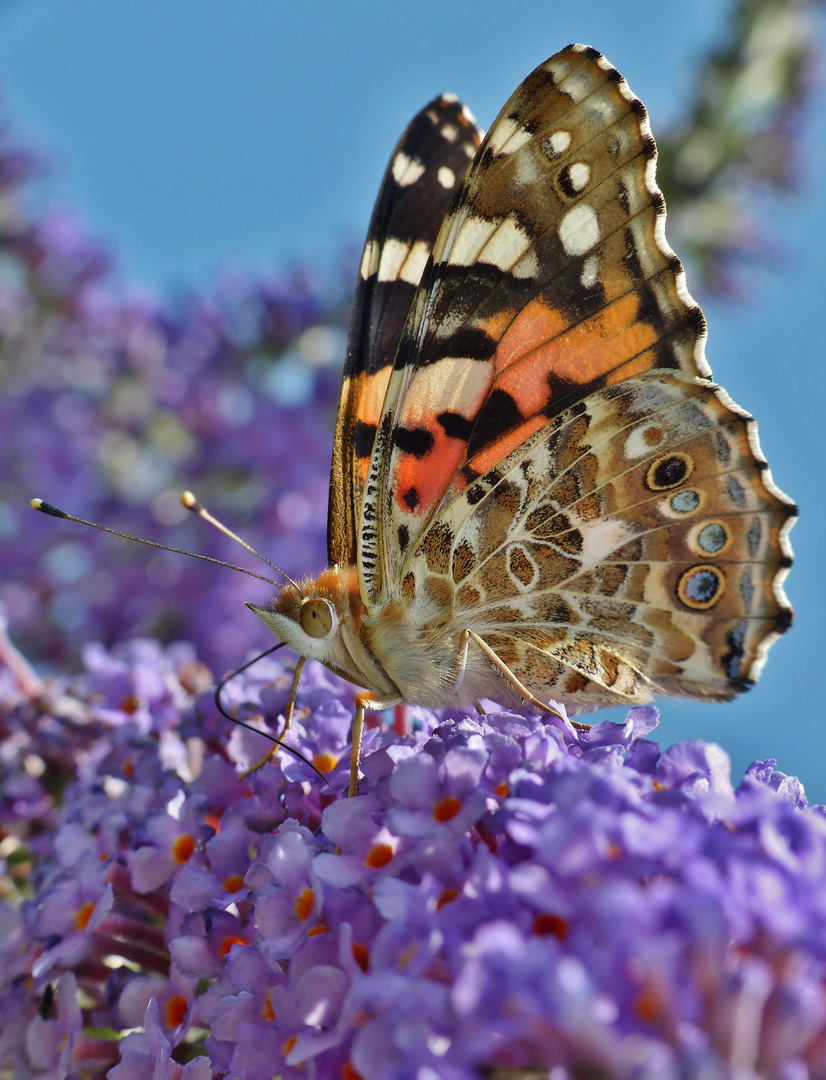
point(537, 492)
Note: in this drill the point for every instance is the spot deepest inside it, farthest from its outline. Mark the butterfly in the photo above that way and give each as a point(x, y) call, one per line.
point(537, 492)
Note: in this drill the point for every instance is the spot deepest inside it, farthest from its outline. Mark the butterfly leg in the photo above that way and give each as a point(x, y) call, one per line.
point(363, 703)
point(290, 709)
point(464, 642)
point(288, 719)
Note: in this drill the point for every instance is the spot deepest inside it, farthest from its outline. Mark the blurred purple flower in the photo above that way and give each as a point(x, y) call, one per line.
point(116, 407)
point(503, 895)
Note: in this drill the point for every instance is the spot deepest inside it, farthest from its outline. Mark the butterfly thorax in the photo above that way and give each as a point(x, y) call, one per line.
point(381, 647)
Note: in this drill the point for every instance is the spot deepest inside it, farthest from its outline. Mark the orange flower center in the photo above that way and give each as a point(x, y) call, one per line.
point(448, 808)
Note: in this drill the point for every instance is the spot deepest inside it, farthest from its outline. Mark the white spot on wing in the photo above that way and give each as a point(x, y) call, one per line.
point(406, 170)
point(579, 229)
point(527, 170)
point(599, 112)
point(578, 85)
point(393, 255)
point(557, 143)
point(449, 132)
point(369, 260)
point(506, 246)
point(590, 272)
point(453, 381)
point(401, 262)
point(641, 441)
point(415, 263)
point(579, 175)
point(468, 115)
point(503, 244)
point(527, 267)
point(446, 177)
point(469, 241)
point(600, 538)
point(508, 136)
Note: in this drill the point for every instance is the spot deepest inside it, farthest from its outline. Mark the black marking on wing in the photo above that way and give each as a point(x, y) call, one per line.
point(498, 415)
point(455, 426)
point(415, 441)
point(364, 437)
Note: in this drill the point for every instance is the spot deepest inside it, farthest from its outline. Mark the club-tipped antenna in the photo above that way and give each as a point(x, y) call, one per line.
point(47, 508)
point(219, 686)
point(191, 503)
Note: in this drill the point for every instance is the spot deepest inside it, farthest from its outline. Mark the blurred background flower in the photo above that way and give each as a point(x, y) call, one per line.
point(113, 405)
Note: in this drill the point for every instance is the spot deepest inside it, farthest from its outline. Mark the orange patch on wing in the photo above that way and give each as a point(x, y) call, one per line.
point(541, 340)
point(497, 325)
point(494, 453)
point(533, 327)
point(365, 396)
point(644, 362)
point(455, 385)
point(368, 394)
point(527, 383)
point(430, 475)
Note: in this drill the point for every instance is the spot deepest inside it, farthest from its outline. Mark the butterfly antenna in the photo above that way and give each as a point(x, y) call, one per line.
point(53, 511)
point(257, 731)
point(191, 503)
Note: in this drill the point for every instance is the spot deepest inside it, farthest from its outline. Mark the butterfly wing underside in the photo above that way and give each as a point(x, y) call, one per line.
point(552, 466)
point(425, 170)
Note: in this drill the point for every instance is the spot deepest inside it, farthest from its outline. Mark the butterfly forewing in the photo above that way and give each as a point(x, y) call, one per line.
point(553, 469)
point(425, 169)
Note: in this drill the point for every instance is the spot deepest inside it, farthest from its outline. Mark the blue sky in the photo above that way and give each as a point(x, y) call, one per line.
point(199, 136)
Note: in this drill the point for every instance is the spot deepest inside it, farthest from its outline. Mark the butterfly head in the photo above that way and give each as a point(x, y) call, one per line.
point(308, 618)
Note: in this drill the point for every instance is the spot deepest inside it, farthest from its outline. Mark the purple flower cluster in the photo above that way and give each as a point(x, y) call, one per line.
point(505, 894)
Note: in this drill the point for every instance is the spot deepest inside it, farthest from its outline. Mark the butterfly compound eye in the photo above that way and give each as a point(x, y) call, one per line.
point(316, 618)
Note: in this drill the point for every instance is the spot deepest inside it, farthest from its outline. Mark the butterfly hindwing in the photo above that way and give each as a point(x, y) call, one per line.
point(425, 169)
point(631, 546)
